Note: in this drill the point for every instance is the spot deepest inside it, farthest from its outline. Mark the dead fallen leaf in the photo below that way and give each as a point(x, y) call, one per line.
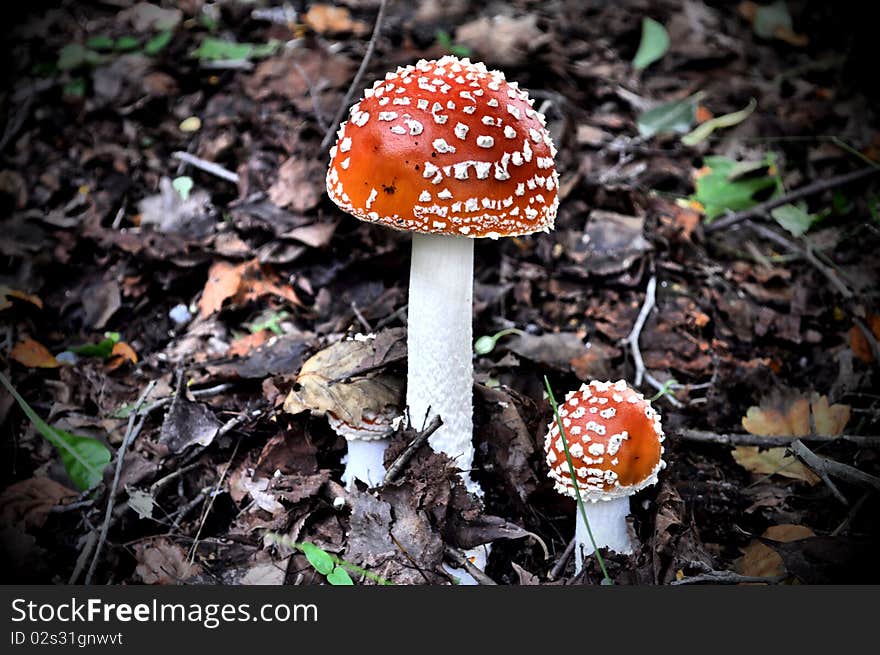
point(340, 378)
point(243, 345)
point(163, 562)
point(501, 39)
point(327, 19)
point(773, 461)
point(300, 184)
point(187, 423)
point(6, 293)
point(859, 344)
point(792, 417)
point(760, 560)
point(242, 283)
point(33, 354)
point(121, 353)
point(30, 501)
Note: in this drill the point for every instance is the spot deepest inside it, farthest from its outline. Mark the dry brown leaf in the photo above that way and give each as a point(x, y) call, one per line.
point(244, 345)
point(6, 293)
point(792, 418)
point(163, 562)
point(121, 353)
point(859, 344)
point(30, 501)
point(326, 19)
point(773, 461)
point(33, 354)
point(300, 184)
point(327, 382)
point(242, 283)
point(761, 560)
point(223, 282)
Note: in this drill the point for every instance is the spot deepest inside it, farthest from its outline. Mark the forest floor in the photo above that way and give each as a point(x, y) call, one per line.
point(151, 300)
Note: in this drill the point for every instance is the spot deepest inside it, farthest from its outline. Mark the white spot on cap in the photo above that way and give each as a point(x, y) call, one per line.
point(441, 146)
point(509, 132)
point(345, 144)
point(461, 130)
point(485, 141)
point(387, 115)
point(425, 196)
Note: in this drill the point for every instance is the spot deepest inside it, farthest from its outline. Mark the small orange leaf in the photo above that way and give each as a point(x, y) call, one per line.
point(244, 345)
point(223, 282)
point(33, 354)
point(773, 461)
point(859, 344)
point(761, 560)
point(703, 114)
point(6, 293)
point(120, 354)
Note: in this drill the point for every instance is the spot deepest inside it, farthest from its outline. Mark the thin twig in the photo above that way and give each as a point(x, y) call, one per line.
point(84, 555)
point(557, 569)
point(823, 466)
point(207, 166)
point(745, 439)
point(131, 434)
point(403, 459)
point(461, 561)
point(210, 505)
point(355, 83)
point(803, 192)
point(632, 341)
point(360, 317)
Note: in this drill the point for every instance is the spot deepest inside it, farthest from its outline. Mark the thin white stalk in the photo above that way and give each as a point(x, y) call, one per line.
point(608, 521)
point(365, 462)
point(440, 361)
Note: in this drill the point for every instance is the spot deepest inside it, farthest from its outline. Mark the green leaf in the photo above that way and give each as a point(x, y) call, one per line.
point(100, 42)
point(484, 345)
point(212, 49)
point(727, 120)
point(84, 458)
point(339, 577)
point(718, 192)
point(74, 55)
point(318, 558)
point(654, 44)
point(76, 87)
point(794, 219)
point(126, 43)
point(102, 349)
point(183, 185)
point(155, 45)
point(445, 42)
point(671, 117)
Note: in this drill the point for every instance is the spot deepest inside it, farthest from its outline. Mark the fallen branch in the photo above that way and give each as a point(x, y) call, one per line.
point(825, 467)
point(557, 569)
point(403, 459)
point(745, 439)
point(356, 82)
point(763, 208)
point(461, 561)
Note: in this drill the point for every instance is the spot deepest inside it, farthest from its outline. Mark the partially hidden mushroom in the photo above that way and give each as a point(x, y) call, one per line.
point(615, 440)
point(452, 152)
point(367, 441)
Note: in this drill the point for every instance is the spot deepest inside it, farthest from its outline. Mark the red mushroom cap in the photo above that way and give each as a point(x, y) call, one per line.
point(446, 146)
point(614, 438)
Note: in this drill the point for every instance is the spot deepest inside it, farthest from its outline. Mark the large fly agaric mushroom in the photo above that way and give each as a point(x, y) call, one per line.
point(615, 441)
point(450, 151)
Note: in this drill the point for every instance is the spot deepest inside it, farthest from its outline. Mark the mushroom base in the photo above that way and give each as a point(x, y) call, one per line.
point(440, 371)
point(365, 461)
point(608, 523)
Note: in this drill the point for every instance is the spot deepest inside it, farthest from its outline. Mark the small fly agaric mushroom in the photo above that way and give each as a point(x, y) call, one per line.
point(452, 152)
point(367, 442)
point(615, 442)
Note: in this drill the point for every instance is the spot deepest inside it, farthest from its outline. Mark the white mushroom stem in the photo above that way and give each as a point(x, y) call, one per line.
point(440, 333)
point(608, 523)
point(365, 461)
